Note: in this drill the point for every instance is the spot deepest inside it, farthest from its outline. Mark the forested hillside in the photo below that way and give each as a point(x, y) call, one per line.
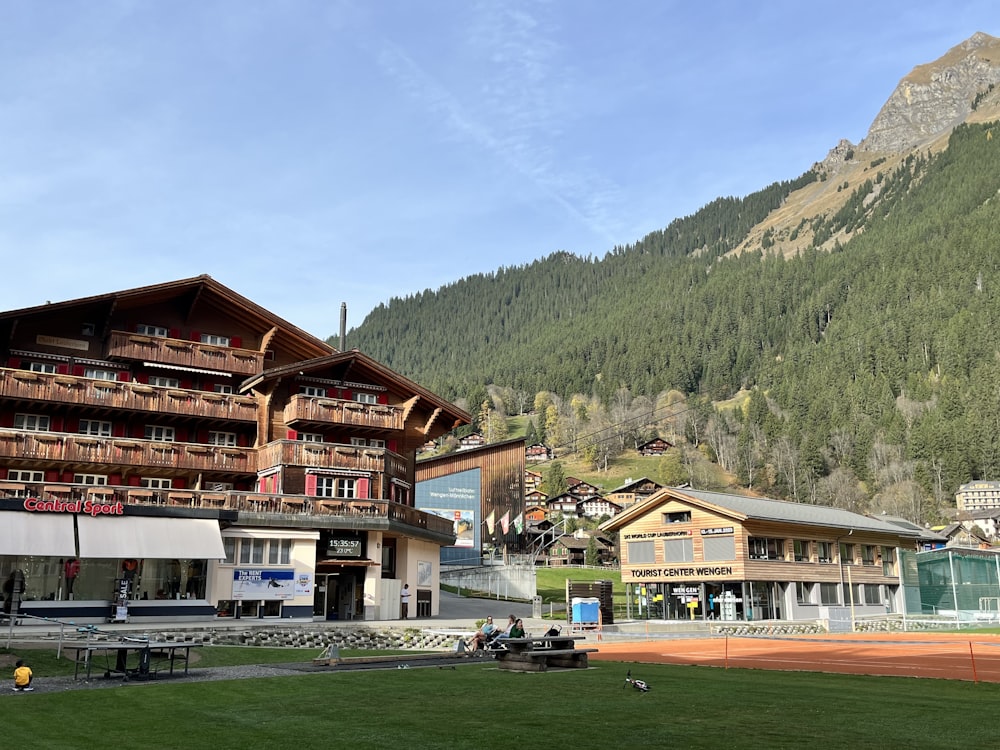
point(873, 369)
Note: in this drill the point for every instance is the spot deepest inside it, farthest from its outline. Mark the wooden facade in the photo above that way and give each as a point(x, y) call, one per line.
point(713, 555)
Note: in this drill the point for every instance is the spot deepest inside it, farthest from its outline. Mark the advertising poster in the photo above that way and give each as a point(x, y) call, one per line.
point(303, 584)
point(464, 521)
point(256, 583)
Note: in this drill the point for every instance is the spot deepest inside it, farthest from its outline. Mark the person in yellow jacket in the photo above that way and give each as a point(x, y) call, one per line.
point(22, 677)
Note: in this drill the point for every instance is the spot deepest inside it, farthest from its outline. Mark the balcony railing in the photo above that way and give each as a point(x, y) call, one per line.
point(56, 446)
point(106, 394)
point(132, 346)
point(354, 511)
point(339, 411)
point(331, 456)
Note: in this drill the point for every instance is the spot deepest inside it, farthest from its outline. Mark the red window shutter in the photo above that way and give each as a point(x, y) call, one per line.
point(57, 425)
point(13, 362)
point(310, 484)
point(135, 481)
point(72, 425)
point(236, 341)
point(118, 429)
point(138, 431)
point(62, 369)
point(363, 487)
point(52, 476)
point(195, 336)
point(123, 376)
point(383, 398)
point(242, 441)
point(346, 393)
point(292, 435)
point(67, 477)
point(182, 435)
point(186, 385)
point(392, 445)
point(142, 378)
point(178, 483)
point(174, 333)
point(78, 370)
point(115, 479)
point(202, 436)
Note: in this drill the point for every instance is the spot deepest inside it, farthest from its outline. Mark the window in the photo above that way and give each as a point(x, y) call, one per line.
point(214, 339)
point(641, 552)
point(766, 548)
point(311, 437)
point(867, 554)
point(99, 374)
point(221, 438)
point(220, 388)
point(367, 443)
point(800, 549)
point(828, 593)
point(376, 443)
point(824, 552)
point(147, 330)
point(847, 554)
point(683, 516)
point(366, 398)
point(156, 483)
point(345, 487)
point(326, 487)
point(279, 552)
point(98, 428)
point(312, 390)
point(244, 552)
point(88, 329)
point(97, 480)
point(162, 382)
point(888, 561)
point(24, 475)
point(161, 434)
point(871, 593)
point(678, 550)
point(46, 367)
point(803, 592)
point(33, 422)
point(229, 545)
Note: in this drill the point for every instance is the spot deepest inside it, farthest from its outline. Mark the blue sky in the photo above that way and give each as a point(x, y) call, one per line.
point(307, 153)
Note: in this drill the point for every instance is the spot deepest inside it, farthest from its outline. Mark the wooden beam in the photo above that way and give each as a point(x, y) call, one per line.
point(267, 338)
point(409, 406)
point(433, 418)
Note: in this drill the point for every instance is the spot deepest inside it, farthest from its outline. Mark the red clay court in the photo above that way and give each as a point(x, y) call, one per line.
point(950, 656)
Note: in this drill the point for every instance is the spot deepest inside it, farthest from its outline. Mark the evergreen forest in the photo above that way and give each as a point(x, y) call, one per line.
point(865, 377)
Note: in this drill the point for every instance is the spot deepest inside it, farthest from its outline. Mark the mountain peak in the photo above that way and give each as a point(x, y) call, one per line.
point(935, 97)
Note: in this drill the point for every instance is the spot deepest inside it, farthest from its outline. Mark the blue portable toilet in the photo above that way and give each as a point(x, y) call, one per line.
point(585, 609)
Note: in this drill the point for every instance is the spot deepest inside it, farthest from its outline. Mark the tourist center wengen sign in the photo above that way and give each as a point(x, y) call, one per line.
point(686, 572)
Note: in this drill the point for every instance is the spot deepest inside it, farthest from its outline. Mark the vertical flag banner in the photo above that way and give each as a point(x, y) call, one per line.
point(505, 522)
point(490, 523)
point(519, 523)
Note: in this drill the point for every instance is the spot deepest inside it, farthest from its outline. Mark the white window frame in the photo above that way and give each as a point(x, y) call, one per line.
point(310, 437)
point(161, 381)
point(46, 368)
point(279, 552)
point(222, 388)
point(217, 437)
point(145, 329)
point(95, 427)
point(365, 398)
point(326, 487)
point(25, 475)
point(156, 483)
point(803, 592)
point(314, 391)
point(94, 480)
point(33, 422)
point(160, 433)
point(99, 373)
point(214, 339)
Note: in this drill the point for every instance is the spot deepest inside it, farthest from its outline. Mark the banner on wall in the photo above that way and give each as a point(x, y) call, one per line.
point(464, 522)
point(303, 584)
point(256, 583)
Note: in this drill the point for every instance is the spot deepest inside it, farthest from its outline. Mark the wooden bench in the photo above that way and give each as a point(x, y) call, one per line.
point(538, 654)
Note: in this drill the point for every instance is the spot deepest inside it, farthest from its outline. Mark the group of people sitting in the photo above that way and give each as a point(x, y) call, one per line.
point(489, 632)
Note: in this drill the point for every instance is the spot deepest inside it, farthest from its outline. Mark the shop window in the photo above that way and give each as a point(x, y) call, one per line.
point(640, 553)
point(222, 438)
point(829, 593)
point(225, 608)
point(800, 550)
point(144, 329)
point(95, 427)
point(33, 422)
point(249, 609)
point(271, 608)
point(678, 550)
point(389, 558)
point(682, 516)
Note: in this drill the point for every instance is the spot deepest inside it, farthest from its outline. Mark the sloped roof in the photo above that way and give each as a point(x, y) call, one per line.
point(743, 507)
point(630, 484)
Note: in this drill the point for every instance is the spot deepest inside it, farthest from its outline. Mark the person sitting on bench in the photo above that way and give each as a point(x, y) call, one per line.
point(486, 630)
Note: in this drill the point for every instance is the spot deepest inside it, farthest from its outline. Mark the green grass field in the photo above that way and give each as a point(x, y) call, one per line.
point(478, 706)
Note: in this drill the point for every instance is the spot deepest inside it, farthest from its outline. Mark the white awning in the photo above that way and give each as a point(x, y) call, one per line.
point(41, 534)
point(148, 537)
point(182, 368)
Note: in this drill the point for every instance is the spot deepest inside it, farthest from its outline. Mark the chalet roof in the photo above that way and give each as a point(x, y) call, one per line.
point(743, 507)
point(197, 290)
point(351, 362)
point(630, 485)
point(921, 532)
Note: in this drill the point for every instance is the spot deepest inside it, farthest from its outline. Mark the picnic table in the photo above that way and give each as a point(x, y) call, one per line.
point(151, 655)
point(539, 653)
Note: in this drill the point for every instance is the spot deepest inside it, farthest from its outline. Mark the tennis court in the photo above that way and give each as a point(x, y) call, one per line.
point(952, 656)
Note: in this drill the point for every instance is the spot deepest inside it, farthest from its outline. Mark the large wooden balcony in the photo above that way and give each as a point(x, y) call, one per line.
point(84, 449)
point(343, 412)
point(331, 456)
point(132, 346)
point(298, 510)
point(106, 394)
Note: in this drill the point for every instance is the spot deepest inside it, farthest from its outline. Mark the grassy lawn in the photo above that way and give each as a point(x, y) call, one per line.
point(693, 707)
point(551, 582)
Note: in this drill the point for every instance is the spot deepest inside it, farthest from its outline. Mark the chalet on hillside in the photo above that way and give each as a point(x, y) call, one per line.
point(537, 452)
point(532, 479)
point(567, 504)
point(581, 489)
point(599, 507)
point(633, 491)
point(535, 513)
point(470, 441)
point(536, 497)
point(571, 549)
point(655, 447)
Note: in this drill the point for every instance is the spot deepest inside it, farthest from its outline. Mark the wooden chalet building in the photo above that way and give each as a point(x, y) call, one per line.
point(633, 492)
point(535, 497)
point(535, 513)
point(571, 549)
point(532, 480)
point(471, 441)
point(178, 452)
point(581, 489)
point(566, 504)
point(537, 452)
point(655, 447)
point(598, 507)
point(688, 552)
